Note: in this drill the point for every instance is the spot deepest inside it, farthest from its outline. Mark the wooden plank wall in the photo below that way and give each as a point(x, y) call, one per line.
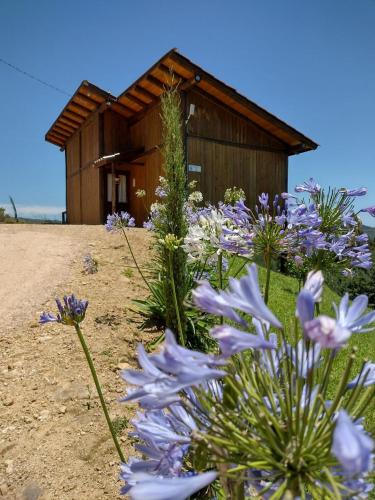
point(232, 151)
point(83, 180)
point(73, 191)
point(146, 133)
point(116, 135)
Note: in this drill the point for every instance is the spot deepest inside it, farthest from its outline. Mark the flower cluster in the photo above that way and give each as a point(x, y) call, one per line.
point(319, 233)
point(71, 311)
point(90, 265)
point(118, 221)
point(259, 410)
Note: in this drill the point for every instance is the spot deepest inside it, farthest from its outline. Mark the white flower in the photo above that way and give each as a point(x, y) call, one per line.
point(195, 197)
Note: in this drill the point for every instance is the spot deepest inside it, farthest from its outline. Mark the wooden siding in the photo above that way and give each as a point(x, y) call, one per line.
point(116, 135)
point(83, 180)
point(216, 121)
point(232, 152)
point(73, 175)
point(146, 133)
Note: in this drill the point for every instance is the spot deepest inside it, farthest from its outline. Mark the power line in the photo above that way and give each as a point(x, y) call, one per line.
point(34, 77)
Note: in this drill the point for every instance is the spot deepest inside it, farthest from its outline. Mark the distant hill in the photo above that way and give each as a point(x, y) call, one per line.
point(370, 231)
point(24, 220)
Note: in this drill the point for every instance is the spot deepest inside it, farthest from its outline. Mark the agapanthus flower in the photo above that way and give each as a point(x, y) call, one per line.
point(242, 294)
point(144, 486)
point(160, 192)
point(365, 378)
point(309, 186)
point(348, 220)
point(119, 221)
point(355, 192)
point(71, 311)
point(314, 284)
point(195, 197)
point(327, 332)
point(263, 200)
point(351, 445)
point(351, 316)
point(231, 340)
point(369, 210)
point(165, 374)
point(304, 358)
point(140, 193)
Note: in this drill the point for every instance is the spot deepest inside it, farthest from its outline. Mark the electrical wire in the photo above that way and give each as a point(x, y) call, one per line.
point(29, 75)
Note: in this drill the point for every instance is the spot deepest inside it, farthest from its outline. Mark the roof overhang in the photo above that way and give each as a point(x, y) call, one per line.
point(172, 68)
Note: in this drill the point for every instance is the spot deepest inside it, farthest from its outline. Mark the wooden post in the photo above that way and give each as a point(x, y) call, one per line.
point(113, 189)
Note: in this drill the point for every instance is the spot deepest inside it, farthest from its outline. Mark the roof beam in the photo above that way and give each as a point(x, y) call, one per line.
point(69, 121)
point(62, 131)
point(76, 117)
point(87, 102)
point(170, 73)
point(80, 110)
point(135, 100)
point(157, 83)
point(149, 95)
point(68, 128)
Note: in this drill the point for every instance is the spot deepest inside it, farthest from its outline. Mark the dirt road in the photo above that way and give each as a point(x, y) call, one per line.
point(54, 442)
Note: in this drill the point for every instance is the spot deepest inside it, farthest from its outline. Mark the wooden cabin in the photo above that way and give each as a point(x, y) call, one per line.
point(112, 144)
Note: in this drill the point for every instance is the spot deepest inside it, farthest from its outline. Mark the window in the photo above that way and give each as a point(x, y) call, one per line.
point(122, 189)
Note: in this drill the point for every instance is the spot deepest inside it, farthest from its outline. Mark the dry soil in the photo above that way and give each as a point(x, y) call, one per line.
point(54, 442)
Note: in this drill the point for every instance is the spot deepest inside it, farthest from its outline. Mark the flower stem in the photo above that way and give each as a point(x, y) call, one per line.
point(220, 272)
point(98, 388)
point(267, 259)
point(171, 274)
point(134, 259)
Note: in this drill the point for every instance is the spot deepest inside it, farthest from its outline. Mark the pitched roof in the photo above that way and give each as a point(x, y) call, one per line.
point(146, 90)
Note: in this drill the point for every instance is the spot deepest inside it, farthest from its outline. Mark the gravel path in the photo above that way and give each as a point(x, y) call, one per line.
point(54, 443)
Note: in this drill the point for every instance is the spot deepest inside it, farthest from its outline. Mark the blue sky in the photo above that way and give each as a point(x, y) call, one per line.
point(309, 62)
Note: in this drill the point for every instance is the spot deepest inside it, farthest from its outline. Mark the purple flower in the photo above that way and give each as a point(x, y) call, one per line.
point(210, 301)
point(165, 374)
point(263, 200)
point(314, 284)
point(303, 216)
point(369, 210)
point(144, 486)
point(366, 378)
point(305, 307)
point(309, 186)
point(312, 240)
point(326, 332)
point(355, 192)
point(351, 316)
point(243, 294)
point(232, 341)
point(71, 312)
point(286, 196)
point(351, 446)
point(348, 220)
point(160, 192)
point(119, 221)
point(304, 358)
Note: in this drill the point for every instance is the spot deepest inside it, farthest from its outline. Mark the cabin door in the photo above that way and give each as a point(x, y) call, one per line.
point(117, 192)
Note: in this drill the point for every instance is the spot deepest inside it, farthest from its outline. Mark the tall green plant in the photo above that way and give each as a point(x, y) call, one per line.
point(174, 221)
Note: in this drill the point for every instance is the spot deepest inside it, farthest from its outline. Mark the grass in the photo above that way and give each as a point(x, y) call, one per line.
point(282, 302)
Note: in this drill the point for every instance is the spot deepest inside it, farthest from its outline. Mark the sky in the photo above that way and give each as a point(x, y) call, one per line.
point(310, 62)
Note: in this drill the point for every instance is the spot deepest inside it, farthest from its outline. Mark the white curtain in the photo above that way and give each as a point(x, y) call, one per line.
point(122, 190)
